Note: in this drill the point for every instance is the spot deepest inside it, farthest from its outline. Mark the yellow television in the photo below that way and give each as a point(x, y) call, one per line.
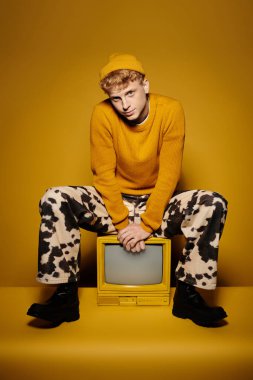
point(125, 278)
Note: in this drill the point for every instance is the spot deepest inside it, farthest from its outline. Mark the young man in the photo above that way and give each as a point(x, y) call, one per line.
point(137, 143)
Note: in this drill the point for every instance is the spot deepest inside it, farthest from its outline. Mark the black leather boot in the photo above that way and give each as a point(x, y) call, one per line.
point(188, 303)
point(63, 306)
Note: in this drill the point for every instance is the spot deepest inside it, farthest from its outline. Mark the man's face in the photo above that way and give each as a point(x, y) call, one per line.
point(131, 102)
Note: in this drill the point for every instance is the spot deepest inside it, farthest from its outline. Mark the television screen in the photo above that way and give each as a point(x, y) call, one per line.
point(126, 268)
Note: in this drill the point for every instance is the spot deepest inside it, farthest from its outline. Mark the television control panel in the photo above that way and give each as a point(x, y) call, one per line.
point(133, 300)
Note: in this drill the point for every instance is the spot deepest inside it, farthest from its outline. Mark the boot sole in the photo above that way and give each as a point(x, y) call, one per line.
point(71, 317)
point(183, 315)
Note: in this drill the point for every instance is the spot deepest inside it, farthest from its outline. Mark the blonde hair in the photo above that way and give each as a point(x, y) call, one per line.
point(120, 79)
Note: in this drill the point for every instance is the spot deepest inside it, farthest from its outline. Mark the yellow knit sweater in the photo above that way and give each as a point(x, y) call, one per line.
point(140, 159)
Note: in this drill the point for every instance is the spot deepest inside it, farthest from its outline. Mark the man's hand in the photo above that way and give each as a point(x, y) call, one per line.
point(132, 237)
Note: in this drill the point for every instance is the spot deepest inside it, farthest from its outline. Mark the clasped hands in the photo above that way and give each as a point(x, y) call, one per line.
point(132, 237)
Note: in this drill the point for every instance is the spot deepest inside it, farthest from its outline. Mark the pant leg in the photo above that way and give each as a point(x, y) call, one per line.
point(63, 210)
point(200, 215)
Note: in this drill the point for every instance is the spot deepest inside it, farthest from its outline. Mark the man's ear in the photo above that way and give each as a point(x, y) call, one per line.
point(146, 86)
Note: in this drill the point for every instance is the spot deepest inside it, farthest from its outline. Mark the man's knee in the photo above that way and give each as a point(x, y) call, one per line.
point(51, 195)
point(52, 198)
point(213, 199)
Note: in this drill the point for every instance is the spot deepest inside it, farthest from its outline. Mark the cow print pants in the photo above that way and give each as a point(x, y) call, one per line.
point(197, 214)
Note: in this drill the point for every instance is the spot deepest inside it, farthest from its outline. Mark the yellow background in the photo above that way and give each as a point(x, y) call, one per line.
point(199, 52)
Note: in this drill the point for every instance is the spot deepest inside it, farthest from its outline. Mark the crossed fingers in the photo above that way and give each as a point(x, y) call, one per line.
point(132, 238)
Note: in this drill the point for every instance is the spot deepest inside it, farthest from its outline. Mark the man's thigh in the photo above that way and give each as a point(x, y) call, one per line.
point(180, 207)
point(83, 203)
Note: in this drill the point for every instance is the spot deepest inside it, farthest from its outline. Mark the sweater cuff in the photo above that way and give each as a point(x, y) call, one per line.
point(121, 225)
point(145, 228)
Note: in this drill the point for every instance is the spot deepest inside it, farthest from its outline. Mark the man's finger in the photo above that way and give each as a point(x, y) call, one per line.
point(142, 245)
point(122, 232)
point(130, 244)
point(138, 247)
point(126, 240)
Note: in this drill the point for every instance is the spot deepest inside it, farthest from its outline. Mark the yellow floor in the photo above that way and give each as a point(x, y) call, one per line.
point(131, 342)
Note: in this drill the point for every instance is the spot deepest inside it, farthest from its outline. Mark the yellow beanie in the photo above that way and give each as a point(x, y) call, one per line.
point(121, 62)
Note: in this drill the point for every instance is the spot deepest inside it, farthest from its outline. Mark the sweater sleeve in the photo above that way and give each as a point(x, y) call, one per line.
point(103, 165)
point(170, 162)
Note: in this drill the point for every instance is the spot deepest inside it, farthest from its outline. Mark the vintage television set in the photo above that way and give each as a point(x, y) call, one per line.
point(125, 278)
